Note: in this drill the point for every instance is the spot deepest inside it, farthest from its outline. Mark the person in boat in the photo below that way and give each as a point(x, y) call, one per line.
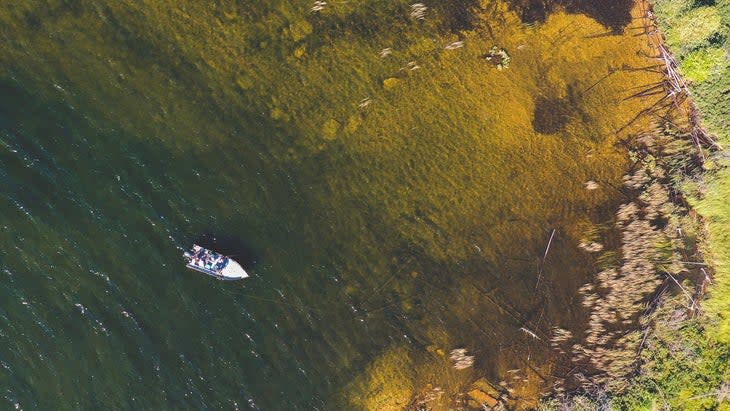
point(199, 256)
point(212, 260)
point(222, 263)
point(216, 262)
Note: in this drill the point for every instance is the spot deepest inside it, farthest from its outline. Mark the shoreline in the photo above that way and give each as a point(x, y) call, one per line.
point(664, 377)
point(479, 389)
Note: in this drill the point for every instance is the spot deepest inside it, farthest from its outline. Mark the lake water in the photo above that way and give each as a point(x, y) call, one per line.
point(391, 191)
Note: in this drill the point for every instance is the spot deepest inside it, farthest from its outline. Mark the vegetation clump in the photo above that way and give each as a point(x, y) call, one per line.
point(654, 234)
point(646, 345)
point(498, 57)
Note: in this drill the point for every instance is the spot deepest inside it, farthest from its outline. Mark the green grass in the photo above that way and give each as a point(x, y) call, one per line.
point(682, 367)
point(685, 362)
point(698, 34)
point(695, 28)
point(716, 210)
point(699, 65)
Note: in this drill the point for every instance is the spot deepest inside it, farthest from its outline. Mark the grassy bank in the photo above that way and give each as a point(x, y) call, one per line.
point(682, 369)
point(697, 32)
point(685, 364)
point(681, 364)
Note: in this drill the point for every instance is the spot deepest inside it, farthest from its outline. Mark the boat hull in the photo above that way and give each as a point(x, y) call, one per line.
point(230, 271)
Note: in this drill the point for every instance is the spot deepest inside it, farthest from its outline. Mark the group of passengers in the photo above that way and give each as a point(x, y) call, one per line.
point(209, 260)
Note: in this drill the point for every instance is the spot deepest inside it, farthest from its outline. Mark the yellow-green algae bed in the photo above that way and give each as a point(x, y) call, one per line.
point(429, 180)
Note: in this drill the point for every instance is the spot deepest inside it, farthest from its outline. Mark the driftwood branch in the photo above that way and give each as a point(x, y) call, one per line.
point(539, 271)
point(686, 293)
point(674, 84)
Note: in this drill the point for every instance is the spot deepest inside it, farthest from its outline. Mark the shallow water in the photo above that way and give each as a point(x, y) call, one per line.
point(387, 213)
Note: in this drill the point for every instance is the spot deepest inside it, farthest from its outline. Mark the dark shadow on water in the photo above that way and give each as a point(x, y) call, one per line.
point(533, 11)
point(551, 115)
point(231, 246)
point(456, 16)
point(613, 14)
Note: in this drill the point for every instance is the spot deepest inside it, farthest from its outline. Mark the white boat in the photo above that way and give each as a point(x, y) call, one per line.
point(214, 264)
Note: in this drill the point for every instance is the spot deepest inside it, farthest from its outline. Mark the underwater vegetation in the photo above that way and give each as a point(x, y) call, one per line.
point(658, 239)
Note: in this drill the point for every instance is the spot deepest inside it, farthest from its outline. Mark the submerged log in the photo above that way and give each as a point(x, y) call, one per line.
point(483, 398)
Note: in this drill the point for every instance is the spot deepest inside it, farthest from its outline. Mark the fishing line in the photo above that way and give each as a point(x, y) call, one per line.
point(359, 315)
point(271, 300)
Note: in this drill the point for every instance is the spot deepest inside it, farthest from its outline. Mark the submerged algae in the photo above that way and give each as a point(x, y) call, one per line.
point(455, 224)
point(387, 383)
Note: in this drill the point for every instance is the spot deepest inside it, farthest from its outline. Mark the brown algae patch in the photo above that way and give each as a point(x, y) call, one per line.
point(426, 158)
point(522, 144)
point(387, 383)
point(400, 378)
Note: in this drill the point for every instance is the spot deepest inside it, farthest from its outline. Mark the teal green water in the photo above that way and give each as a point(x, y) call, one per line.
point(97, 310)
point(418, 221)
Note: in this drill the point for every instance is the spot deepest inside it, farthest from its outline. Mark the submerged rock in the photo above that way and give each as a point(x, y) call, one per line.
point(278, 114)
point(482, 398)
point(300, 51)
point(353, 123)
point(298, 30)
point(390, 82)
point(483, 395)
point(483, 385)
point(330, 129)
point(386, 384)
